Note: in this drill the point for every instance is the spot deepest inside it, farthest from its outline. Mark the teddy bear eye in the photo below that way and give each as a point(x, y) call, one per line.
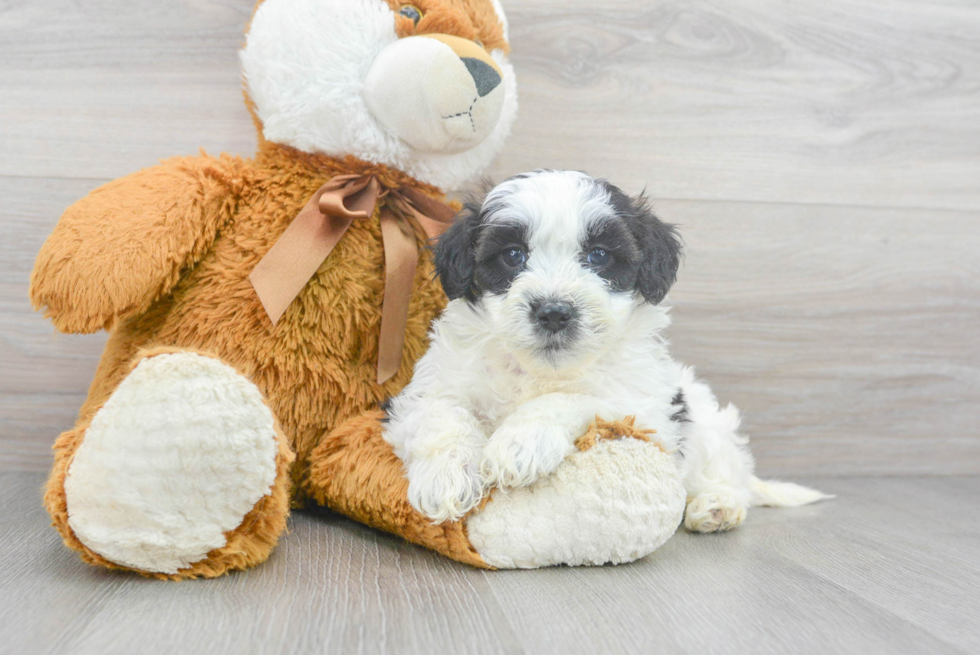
point(412, 12)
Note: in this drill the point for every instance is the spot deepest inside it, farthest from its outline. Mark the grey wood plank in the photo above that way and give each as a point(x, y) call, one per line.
point(331, 586)
point(34, 358)
point(848, 336)
point(43, 375)
point(856, 575)
point(869, 103)
point(885, 545)
point(102, 88)
point(886, 567)
point(29, 424)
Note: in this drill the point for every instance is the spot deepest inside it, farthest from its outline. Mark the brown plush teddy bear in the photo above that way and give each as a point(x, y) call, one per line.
point(260, 309)
point(182, 460)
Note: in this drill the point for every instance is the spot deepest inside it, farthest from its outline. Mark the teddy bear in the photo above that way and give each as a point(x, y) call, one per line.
point(261, 309)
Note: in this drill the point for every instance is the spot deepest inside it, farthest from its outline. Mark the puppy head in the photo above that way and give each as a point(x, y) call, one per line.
point(558, 260)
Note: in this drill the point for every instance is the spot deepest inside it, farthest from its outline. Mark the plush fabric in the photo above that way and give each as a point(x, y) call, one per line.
point(617, 499)
point(355, 472)
point(246, 545)
point(178, 455)
point(422, 89)
point(307, 93)
point(614, 503)
point(162, 258)
point(160, 286)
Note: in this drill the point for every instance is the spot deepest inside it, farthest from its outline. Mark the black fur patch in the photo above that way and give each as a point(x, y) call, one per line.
point(680, 415)
point(385, 406)
point(491, 273)
point(455, 253)
point(468, 256)
point(623, 268)
point(658, 242)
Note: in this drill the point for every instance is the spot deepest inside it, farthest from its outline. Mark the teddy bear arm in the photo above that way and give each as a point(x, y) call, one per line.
point(126, 244)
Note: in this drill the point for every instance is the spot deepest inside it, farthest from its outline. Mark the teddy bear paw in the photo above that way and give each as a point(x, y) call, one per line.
point(176, 458)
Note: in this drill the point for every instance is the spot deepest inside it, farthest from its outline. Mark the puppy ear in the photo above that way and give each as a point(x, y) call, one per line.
point(659, 243)
point(455, 253)
point(661, 246)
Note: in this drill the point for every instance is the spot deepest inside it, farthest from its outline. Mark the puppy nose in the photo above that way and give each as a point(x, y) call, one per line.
point(485, 77)
point(553, 316)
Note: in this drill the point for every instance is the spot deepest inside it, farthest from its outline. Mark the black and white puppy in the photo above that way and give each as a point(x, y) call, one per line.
point(554, 282)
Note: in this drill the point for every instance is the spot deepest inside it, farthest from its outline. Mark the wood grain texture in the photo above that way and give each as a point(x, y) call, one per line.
point(822, 159)
point(848, 336)
point(887, 567)
point(844, 101)
point(862, 102)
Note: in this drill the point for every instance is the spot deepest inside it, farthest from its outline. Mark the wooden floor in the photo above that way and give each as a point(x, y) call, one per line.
point(823, 162)
point(821, 158)
point(891, 566)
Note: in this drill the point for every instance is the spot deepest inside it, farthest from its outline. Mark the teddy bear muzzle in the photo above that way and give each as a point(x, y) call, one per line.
point(438, 93)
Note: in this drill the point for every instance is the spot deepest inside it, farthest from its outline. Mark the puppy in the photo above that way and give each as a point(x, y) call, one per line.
point(554, 282)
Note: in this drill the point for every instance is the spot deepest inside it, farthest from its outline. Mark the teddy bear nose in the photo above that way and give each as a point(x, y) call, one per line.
point(553, 316)
point(483, 74)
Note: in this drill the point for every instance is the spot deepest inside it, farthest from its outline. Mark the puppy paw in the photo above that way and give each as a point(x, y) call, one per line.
point(519, 454)
point(445, 487)
point(715, 511)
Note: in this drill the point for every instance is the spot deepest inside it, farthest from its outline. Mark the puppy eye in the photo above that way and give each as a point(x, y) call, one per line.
point(514, 257)
point(411, 12)
point(598, 257)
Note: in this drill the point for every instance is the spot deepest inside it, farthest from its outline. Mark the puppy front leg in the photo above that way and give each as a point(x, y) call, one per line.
point(441, 445)
point(533, 441)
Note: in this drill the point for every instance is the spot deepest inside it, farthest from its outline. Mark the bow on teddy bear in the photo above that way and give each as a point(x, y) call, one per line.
point(294, 259)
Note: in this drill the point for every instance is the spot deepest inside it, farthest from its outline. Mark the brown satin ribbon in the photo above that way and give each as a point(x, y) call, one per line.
point(294, 259)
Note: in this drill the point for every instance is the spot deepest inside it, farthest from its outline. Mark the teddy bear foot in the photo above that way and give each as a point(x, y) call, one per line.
point(181, 473)
point(616, 502)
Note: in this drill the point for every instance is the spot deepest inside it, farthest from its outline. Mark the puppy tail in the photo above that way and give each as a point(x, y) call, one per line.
point(773, 493)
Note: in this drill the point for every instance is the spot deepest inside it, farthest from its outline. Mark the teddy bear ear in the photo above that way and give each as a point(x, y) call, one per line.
point(455, 252)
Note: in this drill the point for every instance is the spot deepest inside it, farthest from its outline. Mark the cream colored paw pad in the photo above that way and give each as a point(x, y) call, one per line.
point(714, 512)
point(614, 503)
point(178, 455)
